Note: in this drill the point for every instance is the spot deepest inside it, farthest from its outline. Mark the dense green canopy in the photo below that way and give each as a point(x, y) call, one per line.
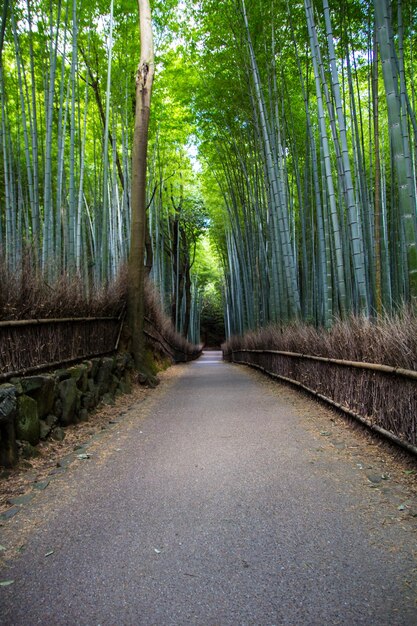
point(283, 133)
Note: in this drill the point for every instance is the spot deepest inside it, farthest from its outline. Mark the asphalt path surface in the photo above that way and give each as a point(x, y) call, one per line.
point(217, 501)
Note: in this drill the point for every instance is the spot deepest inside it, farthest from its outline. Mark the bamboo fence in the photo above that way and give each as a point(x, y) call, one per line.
point(382, 397)
point(27, 346)
point(161, 343)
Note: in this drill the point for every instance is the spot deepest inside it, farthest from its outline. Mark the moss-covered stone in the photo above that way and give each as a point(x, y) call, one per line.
point(28, 451)
point(68, 394)
point(44, 429)
point(125, 384)
point(8, 407)
point(114, 383)
point(83, 415)
point(104, 374)
point(31, 383)
point(27, 420)
point(17, 385)
point(95, 366)
point(45, 395)
point(58, 434)
point(80, 374)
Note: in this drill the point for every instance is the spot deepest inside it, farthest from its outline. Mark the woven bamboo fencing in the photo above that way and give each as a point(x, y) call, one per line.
point(32, 345)
point(162, 344)
point(382, 397)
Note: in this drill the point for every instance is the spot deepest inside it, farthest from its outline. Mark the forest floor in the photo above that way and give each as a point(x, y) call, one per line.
point(221, 497)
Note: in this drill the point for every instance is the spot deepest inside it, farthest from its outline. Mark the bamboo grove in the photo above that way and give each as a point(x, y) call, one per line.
point(315, 157)
point(67, 89)
point(283, 131)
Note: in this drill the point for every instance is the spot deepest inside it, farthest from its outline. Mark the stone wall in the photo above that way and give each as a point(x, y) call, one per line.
point(37, 407)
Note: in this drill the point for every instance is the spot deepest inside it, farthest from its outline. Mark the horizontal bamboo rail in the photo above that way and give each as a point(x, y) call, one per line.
point(59, 320)
point(387, 369)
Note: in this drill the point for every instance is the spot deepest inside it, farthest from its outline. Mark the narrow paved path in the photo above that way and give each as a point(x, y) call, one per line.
point(216, 502)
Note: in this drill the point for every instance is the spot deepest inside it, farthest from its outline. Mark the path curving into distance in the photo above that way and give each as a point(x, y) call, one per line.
point(218, 501)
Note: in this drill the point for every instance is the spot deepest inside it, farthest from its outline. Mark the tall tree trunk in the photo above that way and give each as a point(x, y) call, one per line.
point(144, 80)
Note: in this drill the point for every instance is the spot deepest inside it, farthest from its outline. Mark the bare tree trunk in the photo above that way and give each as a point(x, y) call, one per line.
point(144, 80)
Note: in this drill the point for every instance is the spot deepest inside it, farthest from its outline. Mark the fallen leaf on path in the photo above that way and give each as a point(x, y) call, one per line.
point(2, 548)
point(83, 457)
point(49, 553)
point(6, 583)
point(157, 551)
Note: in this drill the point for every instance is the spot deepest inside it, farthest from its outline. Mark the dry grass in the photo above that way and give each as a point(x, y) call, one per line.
point(26, 295)
point(389, 341)
point(164, 324)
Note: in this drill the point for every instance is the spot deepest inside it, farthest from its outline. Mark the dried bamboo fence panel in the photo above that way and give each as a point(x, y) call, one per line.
point(383, 397)
point(27, 345)
point(155, 338)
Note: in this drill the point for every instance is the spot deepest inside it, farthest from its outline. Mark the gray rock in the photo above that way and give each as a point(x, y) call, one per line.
point(104, 374)
point(17, 384)
point(114, 383)
point(44, 429)
point(57, 470)
point(8, 409)
point(62, 374)
point(27, 420)
point(28, 451)
point(21, 499)
point(95, 367)
point(41, 485)
point(83, 415)
point(9, 513)
point(8, 402)
point(125, 384)
point(31, 383)
point(80, 374)
point(58, 407)
point(374, 478)
point(65, 461)
point(108, 399)
point(68, 394)
point(51, 420)
point(45, 395)
point(58, 433)
point(87, 400)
